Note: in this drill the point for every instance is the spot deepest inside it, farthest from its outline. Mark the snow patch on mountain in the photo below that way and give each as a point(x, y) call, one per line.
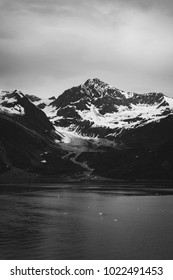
point(127, 118)
point(169, 101)
point(45, 105)
point(8, 103)
point(127, 94)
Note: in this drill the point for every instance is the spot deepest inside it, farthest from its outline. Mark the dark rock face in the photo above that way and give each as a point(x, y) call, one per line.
point(34, 116)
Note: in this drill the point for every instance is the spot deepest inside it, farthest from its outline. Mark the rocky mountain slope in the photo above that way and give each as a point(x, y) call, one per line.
point(89, 131)
point(96, 109)
point(28, 149)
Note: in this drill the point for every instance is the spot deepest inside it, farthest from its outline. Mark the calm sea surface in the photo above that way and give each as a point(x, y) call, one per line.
point(86, 222)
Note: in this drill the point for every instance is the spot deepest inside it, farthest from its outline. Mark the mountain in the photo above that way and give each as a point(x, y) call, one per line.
point(28, 149)
point(97, 110)
point(88, 132)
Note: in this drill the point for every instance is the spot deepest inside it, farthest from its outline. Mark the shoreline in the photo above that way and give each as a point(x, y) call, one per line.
point(114, 188)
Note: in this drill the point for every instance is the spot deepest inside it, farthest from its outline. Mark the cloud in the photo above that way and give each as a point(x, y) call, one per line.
point(51, 45)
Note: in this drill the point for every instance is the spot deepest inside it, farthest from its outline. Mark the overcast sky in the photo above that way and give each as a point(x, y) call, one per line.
point(47, 46)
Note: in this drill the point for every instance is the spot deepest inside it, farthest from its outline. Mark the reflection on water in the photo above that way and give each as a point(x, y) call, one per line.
point(89, 222)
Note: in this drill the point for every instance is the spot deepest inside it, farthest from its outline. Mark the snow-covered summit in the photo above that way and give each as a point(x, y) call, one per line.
point(94, 107)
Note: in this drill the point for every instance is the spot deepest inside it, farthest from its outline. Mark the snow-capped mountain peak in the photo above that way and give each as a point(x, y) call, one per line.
point(9, 102)
point(95, 108)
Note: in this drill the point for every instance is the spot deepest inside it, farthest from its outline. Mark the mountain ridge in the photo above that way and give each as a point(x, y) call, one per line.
point(89, 131)
point(97, 105)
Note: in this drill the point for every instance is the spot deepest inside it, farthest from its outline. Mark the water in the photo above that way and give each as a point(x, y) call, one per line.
point(85, 222)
